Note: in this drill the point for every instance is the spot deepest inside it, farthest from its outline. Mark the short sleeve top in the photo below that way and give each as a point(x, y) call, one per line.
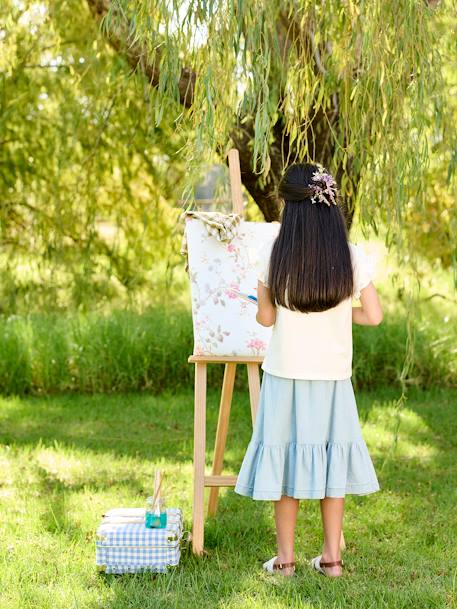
point(316, 345)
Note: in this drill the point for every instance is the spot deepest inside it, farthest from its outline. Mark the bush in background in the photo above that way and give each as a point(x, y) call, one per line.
point(127, 351)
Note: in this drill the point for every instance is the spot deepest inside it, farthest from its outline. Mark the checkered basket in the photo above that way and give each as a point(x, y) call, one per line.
point(125, 545)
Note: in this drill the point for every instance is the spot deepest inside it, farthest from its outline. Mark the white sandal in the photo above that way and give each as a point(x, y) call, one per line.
point(317, 564)
point(272, 567)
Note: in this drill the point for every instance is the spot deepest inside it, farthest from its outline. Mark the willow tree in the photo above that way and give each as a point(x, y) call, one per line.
point(363, 87)
point(86, 191)
point(360, 87)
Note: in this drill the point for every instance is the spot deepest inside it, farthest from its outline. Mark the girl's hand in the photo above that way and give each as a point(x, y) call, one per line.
point(266, 311)
point(370, 313)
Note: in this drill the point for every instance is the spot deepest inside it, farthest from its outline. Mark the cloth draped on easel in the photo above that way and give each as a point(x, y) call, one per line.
point(222, 226)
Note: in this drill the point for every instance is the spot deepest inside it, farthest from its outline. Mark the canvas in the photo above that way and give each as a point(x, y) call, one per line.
point(224, 324)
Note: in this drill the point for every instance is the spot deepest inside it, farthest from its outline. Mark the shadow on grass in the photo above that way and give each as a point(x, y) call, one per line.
point(137, 425)
point(400, 541)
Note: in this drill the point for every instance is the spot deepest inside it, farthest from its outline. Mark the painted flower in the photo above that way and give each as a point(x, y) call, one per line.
point(257, 345)
point(230, 290)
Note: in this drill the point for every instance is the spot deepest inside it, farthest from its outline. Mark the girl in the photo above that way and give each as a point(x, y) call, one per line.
point(307, 442)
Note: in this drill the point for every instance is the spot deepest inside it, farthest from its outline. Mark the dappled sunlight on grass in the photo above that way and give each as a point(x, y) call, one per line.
point(400, 430)
point(57, 479)
point(243, 600)
point(73, 467)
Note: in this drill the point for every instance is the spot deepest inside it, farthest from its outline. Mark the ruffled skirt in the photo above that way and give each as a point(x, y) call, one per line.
point(306, 443)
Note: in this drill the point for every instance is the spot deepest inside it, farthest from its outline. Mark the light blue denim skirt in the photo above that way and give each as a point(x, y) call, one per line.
point(306, 443)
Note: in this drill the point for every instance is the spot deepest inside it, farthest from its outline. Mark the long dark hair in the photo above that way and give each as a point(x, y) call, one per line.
point(310, 264)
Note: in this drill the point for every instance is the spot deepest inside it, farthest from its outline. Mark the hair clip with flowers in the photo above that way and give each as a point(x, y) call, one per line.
point(325, 191)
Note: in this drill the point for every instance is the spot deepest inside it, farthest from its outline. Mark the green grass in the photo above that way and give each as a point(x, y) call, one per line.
point(125, 351)
point(66, 459)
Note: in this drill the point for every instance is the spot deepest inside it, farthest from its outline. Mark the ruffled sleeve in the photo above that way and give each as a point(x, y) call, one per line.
point(363, 269)
point(263, 262)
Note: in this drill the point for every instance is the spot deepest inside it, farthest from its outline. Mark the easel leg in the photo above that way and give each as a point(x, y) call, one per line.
point(254, 388)
point(199, 458)
point(221, 433)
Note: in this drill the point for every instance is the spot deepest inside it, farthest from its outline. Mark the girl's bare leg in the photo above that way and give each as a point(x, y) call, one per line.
point(332, 511)
point(286, 510)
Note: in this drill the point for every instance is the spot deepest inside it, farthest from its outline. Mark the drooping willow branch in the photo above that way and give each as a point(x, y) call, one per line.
point(353, 86)
point(289, 33)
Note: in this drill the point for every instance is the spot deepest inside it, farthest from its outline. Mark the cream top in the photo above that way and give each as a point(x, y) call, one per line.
point(316, 345)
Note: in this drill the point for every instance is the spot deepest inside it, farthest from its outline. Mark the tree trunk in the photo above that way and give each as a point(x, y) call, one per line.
point(321, 146)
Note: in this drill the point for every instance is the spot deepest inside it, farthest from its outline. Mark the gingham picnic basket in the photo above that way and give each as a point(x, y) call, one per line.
point(125, 545)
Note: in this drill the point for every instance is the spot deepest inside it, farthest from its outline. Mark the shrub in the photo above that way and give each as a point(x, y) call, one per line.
point(127, 351)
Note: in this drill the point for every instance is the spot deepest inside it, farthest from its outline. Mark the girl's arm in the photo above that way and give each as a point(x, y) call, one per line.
point(266, 311)
point(370, 313)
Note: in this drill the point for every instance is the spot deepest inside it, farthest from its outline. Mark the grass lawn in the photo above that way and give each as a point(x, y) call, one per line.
point(66, 459)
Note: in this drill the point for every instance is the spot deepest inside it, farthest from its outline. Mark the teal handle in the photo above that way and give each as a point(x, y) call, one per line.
point(152, 521)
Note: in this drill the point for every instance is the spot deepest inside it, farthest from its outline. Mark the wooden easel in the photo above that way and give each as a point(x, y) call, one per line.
point(215, 480)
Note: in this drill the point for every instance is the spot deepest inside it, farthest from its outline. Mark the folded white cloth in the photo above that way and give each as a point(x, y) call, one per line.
point(222, 226)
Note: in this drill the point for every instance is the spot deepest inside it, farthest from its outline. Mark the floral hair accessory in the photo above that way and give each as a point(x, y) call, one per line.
point(325, 191)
